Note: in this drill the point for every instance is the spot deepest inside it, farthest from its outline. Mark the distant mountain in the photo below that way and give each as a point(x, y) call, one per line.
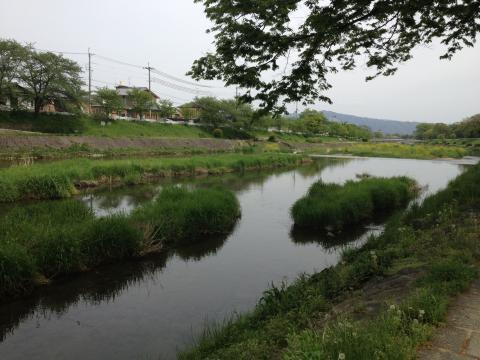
point(383, 125)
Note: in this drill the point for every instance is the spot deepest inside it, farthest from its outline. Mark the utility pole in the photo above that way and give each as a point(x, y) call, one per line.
point(89, 81)
point(149, 68)
point(236, 97)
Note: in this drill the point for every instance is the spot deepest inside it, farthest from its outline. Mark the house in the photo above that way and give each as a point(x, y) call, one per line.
point(188, 112)
point(127, 111)
point(19, 98)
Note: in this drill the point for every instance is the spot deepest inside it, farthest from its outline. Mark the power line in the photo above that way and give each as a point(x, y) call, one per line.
point(161, 73)
point(149, 68)
point(180, 88)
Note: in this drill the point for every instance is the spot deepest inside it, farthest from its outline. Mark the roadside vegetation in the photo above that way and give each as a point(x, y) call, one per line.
point(436, 242)
point(43, 241)
point(61, 179)
point(336, 206)
point(389, 150)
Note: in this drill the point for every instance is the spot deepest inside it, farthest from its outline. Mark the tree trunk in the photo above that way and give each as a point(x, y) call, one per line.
point(38, 103)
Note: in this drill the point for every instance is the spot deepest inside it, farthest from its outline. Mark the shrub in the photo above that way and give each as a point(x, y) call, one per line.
point(218, 133)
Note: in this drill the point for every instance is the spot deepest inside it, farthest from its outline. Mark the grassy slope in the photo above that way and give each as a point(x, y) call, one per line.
point(58, 179)
point(144, 129)
point(59, 238)
point(440, 239)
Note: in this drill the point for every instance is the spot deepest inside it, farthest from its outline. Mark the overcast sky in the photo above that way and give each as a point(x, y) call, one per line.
point(170, 34)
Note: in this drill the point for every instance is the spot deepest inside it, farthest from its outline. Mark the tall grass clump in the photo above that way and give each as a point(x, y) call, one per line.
point(111, 238)
point(337, 206)
point(179, 215)
point(59, 179)
point(51, 239)
point(59, 238)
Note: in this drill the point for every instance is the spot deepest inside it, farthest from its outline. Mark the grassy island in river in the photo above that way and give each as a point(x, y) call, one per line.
point(42, 241)
point(337, 206)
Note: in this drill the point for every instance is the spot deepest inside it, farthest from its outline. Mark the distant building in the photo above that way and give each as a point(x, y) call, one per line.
point(18, 98)
point(127, 111)
point(188, 112)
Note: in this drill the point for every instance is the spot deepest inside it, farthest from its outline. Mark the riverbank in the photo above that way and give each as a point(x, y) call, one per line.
point(390, 150)
point(42, 146)
point(63, 179)
point(385, 298)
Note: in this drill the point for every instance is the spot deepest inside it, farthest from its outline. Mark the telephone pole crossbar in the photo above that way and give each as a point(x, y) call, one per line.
point(149, 68)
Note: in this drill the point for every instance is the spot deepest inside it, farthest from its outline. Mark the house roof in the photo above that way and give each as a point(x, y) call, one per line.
point(123, 90)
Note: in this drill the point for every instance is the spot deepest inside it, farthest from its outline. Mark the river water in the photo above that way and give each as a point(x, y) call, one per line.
point(150, 309)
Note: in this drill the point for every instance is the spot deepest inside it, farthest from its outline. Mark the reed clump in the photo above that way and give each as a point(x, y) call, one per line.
point(180, 215)
point(58, 238)
point(337, 206)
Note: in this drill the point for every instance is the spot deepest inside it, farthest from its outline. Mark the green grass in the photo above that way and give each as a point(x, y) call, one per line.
point(50, 239)
point(293, 138)
point(84, 125)
point(122, 128)
point(180, 216)
point(57, 179)
point(438, 238)
point(339, 206)
point(418, 151)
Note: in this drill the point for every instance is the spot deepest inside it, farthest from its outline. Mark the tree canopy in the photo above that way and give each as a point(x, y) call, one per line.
point(468, 128)
point(166, 108)
point(260, 49)
point(109, 100)
point(12, 55)
point(141, 100)
point(49, 77)
point(42, 76)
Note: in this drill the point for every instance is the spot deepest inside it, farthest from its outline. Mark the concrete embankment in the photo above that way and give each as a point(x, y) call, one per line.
point(25, 142)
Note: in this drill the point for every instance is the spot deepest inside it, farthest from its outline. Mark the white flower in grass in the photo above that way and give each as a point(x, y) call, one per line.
point(415, 321)
point(421, 313)
point(341, 356)
point(392, 307)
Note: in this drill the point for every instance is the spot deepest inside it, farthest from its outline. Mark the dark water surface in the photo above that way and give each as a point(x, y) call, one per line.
point(149, 309)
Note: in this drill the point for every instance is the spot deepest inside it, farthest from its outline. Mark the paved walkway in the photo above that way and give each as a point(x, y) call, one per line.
point(459, 338)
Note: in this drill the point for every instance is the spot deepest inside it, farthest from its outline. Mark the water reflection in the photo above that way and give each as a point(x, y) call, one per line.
point(330, 240)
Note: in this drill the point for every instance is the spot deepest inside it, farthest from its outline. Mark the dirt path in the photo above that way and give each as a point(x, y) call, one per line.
point(459, 338)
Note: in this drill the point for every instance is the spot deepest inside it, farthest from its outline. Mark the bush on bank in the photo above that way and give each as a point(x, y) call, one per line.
point(59, 238)
point(337, 206)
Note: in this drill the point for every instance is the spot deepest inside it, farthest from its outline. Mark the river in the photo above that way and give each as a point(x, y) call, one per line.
point(150, 309)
